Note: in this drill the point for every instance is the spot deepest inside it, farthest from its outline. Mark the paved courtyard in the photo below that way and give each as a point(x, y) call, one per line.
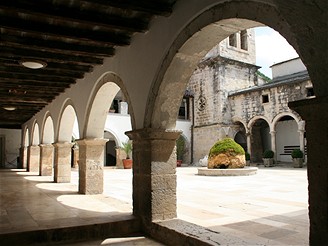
point(269, 208)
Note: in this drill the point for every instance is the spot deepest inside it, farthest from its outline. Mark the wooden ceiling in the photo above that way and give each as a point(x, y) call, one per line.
point(71, 37)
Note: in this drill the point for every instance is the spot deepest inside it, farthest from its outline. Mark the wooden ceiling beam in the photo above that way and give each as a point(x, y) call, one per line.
point(48, 72)
point(76, 13)
point(10, 40)
point(51, 65)
point(153, 7)
point(47, 55)
point(65, 31)
point(24, 88)
point(36, 78)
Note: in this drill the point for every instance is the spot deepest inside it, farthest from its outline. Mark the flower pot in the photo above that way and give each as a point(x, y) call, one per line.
point(268, 162)
point(298, 162)
point(127, 163)
point(179, 162)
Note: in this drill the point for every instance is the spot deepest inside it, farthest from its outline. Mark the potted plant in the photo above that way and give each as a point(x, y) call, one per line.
point(181, 148)
point(127, 148)
point(248, 159)
point(268, 158)
point(297, 156)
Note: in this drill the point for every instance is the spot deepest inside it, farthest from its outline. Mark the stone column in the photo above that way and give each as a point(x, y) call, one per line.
point(76, 157)
point(273, 144)
point(120, 155)
point(62, 161)
point(23, 157)
point(91, 163)
point(33, 158)
point(154, 173)
point(248, 140)
point(314, 112)
point(46, 159)
point(301, 130)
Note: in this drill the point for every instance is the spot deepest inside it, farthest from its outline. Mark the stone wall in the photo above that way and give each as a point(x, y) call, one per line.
point(248, 104)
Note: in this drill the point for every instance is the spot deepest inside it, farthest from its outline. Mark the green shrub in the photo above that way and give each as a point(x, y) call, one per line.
point(268, 154)
point(226, 145)
point(247, 156)
point(297, 153)
point(181, 147)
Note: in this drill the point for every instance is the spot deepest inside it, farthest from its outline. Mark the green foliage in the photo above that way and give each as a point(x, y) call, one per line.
point(127, 148)
point(247, 156)
point(181, 147)
point(226, 145)
point(268, 154)
point(264, 77)
point(297, 153)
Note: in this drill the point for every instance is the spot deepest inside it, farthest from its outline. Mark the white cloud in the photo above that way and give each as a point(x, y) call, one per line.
point(271, 48)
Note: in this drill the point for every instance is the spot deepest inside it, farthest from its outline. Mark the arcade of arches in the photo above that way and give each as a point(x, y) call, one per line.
point(153, 73)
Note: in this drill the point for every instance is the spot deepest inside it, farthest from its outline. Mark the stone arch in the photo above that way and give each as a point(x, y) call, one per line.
point(26, 137)
point(260, 137)
point(48, 134)
point(103, 94)
point(294, 115)
point(111, 153)
point(198, 36)
point(66, 122)
point(240, 133)
point(289, 135)
point(238, 120)
point(35, 134)
point(258, 117)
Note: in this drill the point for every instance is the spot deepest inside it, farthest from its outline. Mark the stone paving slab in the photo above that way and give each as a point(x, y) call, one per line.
point(267, 208)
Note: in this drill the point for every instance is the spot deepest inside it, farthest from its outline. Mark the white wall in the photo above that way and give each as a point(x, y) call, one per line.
point(118, 124)
point(286, 135)
point(287, 67)
point(184, 126)
point(12, 144)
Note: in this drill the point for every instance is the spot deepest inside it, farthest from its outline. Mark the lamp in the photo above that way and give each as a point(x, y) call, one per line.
point(33, 64)
point(9, 108)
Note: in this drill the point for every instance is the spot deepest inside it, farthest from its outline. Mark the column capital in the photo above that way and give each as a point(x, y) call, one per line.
point(311, 109)
point(62, 144)
point(46, 145)
point(92, 141)
point(154, 134)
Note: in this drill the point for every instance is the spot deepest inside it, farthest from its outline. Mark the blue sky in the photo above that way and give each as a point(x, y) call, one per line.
point(271, 48)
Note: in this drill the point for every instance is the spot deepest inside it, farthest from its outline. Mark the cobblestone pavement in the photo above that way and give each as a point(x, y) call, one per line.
point(269, 208)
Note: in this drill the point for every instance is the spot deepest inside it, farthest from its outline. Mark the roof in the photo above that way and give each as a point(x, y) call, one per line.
point(279, 81)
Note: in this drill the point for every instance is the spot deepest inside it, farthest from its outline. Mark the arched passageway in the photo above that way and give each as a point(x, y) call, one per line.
point(46, 147)
point(240, 136)
point(193, 28)
point(111, 146)
point(260, 139)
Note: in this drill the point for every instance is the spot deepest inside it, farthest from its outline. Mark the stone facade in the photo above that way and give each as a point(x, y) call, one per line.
point(231, 97)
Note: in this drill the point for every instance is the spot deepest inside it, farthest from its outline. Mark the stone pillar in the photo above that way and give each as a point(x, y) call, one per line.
point(23, 157)
point(301, 130)
point(154, 173)
point(76, 157)
point(91, 163)
point(33, 158)
point(62, 161)
point(273, 144)
point(248, 140)
point(120, 155)
point(46, 159)
point(314, 112)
